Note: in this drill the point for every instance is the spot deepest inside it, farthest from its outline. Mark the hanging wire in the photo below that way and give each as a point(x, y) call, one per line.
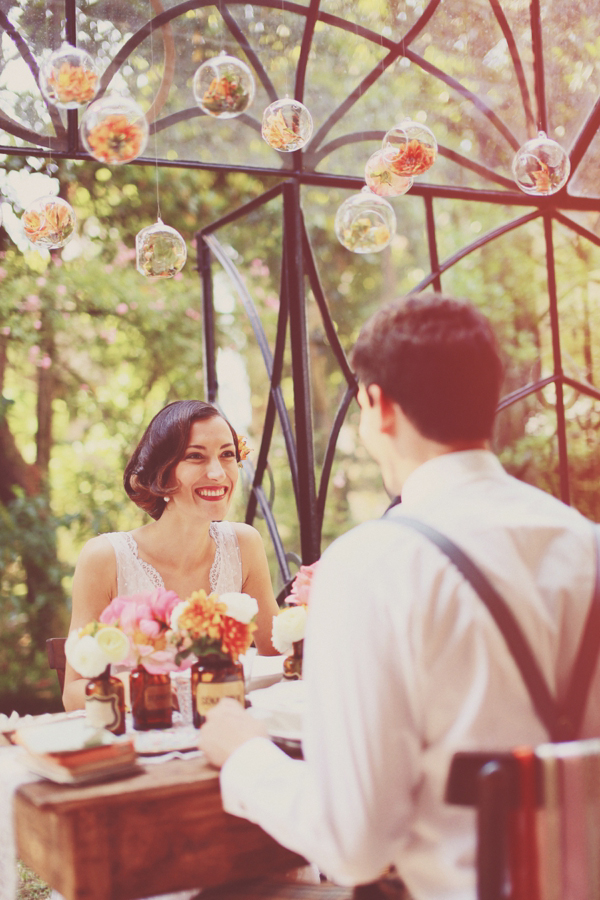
point(158, 216)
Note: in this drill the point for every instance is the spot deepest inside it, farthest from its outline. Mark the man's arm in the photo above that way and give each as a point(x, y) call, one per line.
point(345, 805)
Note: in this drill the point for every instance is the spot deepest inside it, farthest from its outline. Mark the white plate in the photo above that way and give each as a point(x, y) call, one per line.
point(154, 742)
point(281, 708)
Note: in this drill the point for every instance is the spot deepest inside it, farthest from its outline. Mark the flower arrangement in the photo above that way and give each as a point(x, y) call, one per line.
point(225, 94)
point(412, 158)
point(115, 139)
point(213, 626)
point(277, 133)
point(541, 178)
point(382, 181)
point(364, 235)
point(289, 625)
point(72, 84)
point(161, 251)
point(145, 620)
point(49, 223)
point(92, 648)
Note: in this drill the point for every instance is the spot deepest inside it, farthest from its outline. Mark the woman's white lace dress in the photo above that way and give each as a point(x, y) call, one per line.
point(134, 575)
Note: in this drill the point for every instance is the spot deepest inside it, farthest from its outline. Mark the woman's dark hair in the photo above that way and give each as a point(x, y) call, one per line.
point(438, 358)
point(162, 446)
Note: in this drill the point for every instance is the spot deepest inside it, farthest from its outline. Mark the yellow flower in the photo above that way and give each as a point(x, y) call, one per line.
point(113, 642)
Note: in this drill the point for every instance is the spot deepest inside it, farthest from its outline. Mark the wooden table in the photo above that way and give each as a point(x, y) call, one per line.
point(161, 830)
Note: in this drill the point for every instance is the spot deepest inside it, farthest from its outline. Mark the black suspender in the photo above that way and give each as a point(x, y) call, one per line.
point(562, 720)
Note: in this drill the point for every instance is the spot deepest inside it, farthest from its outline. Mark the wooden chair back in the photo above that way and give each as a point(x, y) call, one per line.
point(55, 648)
point(538, 819)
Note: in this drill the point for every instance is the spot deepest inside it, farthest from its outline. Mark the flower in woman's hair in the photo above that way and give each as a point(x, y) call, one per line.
point(241, 607)
point(243, 449)
point(288, 627)
point(300, 591)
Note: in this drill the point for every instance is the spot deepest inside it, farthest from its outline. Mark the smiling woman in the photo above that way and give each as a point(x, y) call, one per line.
point(183, 474)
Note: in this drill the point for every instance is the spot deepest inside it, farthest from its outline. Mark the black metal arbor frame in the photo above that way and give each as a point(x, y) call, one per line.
point(298, 263)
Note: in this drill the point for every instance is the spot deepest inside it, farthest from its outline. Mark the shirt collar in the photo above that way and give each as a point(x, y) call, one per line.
point(446, 472)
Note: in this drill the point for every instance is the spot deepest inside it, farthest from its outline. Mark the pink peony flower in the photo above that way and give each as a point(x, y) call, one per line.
point(145, 619)
point(301, 585)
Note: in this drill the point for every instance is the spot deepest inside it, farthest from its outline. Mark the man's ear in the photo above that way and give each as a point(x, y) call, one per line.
point(385, 407)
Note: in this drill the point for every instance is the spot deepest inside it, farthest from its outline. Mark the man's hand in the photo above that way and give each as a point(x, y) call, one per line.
point(227, 727)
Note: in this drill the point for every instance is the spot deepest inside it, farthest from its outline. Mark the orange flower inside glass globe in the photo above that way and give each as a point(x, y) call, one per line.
point(114, 130)
point(69, 78)
point(541, 166)
point(49, 222)
point(223, 87)
point(409, 149)
point(287, 125)
point(365, 223)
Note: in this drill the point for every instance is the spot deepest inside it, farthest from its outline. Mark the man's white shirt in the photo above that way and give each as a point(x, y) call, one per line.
point(404, 666)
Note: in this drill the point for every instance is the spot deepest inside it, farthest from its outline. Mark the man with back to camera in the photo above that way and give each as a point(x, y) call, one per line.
point(403, 664)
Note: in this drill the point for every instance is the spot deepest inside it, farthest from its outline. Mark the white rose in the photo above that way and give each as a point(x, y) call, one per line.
point(289, 626)
point(70, 642)
point(87, 658)
point(241, 607)
point(177, 610)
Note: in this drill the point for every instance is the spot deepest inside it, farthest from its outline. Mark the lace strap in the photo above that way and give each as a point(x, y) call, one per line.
point(226, 570)
point(127, 554)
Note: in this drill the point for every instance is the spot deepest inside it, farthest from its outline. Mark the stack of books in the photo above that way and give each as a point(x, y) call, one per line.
point(72, 752)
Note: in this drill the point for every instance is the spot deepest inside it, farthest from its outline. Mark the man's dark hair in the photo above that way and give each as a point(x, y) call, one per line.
point(161, 447)
point(438, 358)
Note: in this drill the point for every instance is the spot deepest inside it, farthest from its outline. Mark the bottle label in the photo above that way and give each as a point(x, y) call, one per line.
point(103, 712)
point(158, 696)
point(208, 695)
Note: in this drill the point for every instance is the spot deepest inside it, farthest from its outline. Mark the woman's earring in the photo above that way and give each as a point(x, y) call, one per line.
point(166, 499)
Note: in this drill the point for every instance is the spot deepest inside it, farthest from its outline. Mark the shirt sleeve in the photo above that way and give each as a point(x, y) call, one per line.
point(345, 806)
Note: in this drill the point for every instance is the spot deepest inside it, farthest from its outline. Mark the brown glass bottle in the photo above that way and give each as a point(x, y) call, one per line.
point(151, 700)
point(105, 702)
point(212, 679)
point(292, 664)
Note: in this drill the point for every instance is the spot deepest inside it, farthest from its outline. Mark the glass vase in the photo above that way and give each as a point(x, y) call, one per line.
point(292, 664)
point(212, 679)
point(151, 703)
point(105, 702)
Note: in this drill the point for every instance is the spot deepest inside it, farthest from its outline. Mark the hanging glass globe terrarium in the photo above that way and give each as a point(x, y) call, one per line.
point(382, 181)
point(365, 223)
point(286, 125)
point(49, 222)
point(69, 78)
point(114, 130)
point(409, 149)
point(541, 166)
point(224, 87)
point(160, 251)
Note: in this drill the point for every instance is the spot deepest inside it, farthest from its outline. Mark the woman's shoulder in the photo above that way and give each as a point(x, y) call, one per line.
point(247, 535)
point(97, 552)
point(97, 557)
